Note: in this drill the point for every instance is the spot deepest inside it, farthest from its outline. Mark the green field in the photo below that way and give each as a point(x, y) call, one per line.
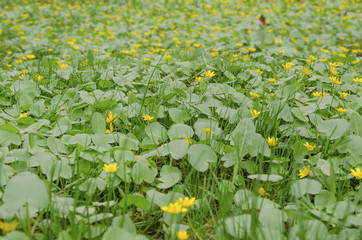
point(180, 119)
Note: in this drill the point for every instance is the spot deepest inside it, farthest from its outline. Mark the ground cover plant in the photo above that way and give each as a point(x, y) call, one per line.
point(180, 119)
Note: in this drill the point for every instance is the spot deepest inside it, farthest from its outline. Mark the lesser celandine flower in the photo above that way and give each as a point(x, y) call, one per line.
point(110, 168)
point(254, 95)
point(147, 117)
point(334, 71)
point(209, 73)
point(272, 80)
point(30, 56)
point(110, 130)
point(304, 172)
point(24, 115)
point(288, 65)
point(199, 79)
point(207, 130)
point(254, 112)
point(357, 173)
point(357, 80)
point(261, 192)
point(356, 61)
point(111, 118)
point(188, 140)
point(186, 202)
point(307, 71)
point(8, 227)
point(343, 94)
point(174, 208)
point(258, 71)
point(63, 66)
point(182, 235)
point(335, 80)
point(319, 94)
point(167, 57)
point(309, 146)
point(272, 141)
point(39, 78)
point(341, 110)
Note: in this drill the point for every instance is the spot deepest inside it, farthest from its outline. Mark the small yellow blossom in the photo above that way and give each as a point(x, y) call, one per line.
point(254, 95)
point(312, 58)
point(258, 71)
point(335, 80)
point(304, 172)
point(323, 60)
point(357, 80)
point(254, 112)
point(63, 66)
point(188, 140)
point(357, 173)
point(110, 130)
point(24, 115)
point(356, 61)
point(109, 168)
point(147, 117)
point(174, 208)
point(281, 51)
point(9, 65)
point(199, 79)
point(167, 57)
point(207, 130)
point(261, 192)
point(309, 146)
point(209, 74)
point(343, 94)
point(146, 59)
point(272, 141)
point(187, 202)
point(245, 58)
point(332, 64)
point(39, 78)
point(30, 56)
point(319, 94)
point(341, 110)
point(272, 80)
point(288, 65)
point(111, 118)
point(278, 41)
point(8, 227)
point(334, 71)
point(307, 71)
point(182, 235)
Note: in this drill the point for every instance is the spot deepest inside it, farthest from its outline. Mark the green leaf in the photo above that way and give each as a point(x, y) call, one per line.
point(98, 123)
point(180, 131)
point(200, 155)
point(142, 171)
point(157, 132)
point(304, 186)
point(178, 149)
point(266, 178)
point(356, 123)
point(325, 199)
point(25, 188)
point(336, 126)
point(135, 199)
point(7, 138)
point(238, 226)
point(178, 115)
point(169, 176)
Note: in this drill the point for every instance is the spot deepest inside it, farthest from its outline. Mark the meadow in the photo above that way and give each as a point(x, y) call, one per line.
point(171, 119)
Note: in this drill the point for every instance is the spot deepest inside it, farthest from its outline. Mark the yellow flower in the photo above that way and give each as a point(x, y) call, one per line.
point(39, 78)
point(254, 95)
point(278, 41)
point(356, 61)
point(272, 141)
point(207, 130)
point(199, 79)
point(281, 51)
point(332, 64)
point(357, 173)
point(63, 66)
point(110, 130)
point(9, 65)
point(303, 173)
point(187, 202)
point(167, 57)
point(111, 118)
point(258, 71)
point(343, 94)
point(334, 71)
point(109, 168)
point(272, 80)
point(182, 235)
point(309, 146)
point(23, 115)
point(146, 59)
point(307, 71)
point(261, 192)
point(335, 80)
point(108, 54)
point(245, 58)
point(30, 56)
point(323, 60)
point(8, 227)
point(357, 80)
point(209, 74)
point(188, 140)
point(174, 208)
point(147, 117)
point(341, 110)
point(312, 58)
point(319, 94)
point(288, 65)
point(254, 112)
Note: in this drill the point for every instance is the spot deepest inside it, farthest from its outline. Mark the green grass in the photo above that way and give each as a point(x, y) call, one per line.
point(65, 66)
